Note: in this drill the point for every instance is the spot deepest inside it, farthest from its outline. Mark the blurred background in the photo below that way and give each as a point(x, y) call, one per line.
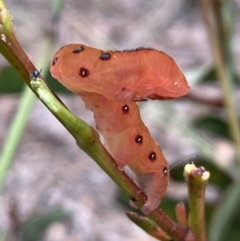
point(51, 190)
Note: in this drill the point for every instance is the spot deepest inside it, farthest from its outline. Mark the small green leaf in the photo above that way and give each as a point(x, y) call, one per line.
point(35, 227)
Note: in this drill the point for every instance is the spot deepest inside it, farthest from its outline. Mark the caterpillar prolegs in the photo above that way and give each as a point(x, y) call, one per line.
point(110, 82)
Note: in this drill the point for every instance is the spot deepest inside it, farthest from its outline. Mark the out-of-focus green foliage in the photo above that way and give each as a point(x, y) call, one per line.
point(213, 125)
point(10, 76)
point(35, 226)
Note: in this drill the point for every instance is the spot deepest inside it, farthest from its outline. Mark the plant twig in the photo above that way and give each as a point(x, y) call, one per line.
point(196, 179)
point(148, 226)
point(16, 130)
point(181, 214)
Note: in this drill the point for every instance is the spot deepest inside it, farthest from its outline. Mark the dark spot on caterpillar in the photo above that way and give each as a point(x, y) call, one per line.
point(78, 50)
point(55, 61)
point(105, 56)
point(165, 171)
point(125, 109)
point(138, 139)
point(152, 156)
point(133, 199)
point(84, 72)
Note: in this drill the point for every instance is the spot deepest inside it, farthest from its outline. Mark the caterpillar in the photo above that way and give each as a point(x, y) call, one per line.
point(110, 83)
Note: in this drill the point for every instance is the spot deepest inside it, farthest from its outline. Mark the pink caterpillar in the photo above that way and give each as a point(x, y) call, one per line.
point(109, 82)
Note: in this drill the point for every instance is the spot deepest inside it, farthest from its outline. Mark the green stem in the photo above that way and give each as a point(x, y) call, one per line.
point(28, 98)
point(57, 6)
point(224, 76)
point(225, 212)
point(196, 179)
point(16, 130)
point(2, 236)
point(224, 22)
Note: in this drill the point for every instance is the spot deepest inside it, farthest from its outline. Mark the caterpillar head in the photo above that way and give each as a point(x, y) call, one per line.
point(72, 65)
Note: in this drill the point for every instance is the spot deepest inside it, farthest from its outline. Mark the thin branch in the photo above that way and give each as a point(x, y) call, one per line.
point(196, 179)
point(181, 214)
point(148, 226)
point(15, 133)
